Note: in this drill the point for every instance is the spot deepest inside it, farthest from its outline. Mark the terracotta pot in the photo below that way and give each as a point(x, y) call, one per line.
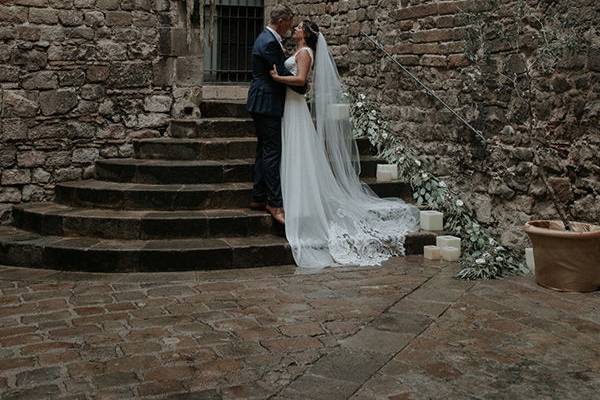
point(565, 260)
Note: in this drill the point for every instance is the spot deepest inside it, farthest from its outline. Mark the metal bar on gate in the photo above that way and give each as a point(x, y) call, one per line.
point(427, 90)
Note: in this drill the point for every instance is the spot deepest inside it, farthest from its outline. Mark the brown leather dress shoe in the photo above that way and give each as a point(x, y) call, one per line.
point(277, 213)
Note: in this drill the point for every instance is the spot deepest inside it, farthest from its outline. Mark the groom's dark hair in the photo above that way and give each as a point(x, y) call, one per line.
point(279, 12)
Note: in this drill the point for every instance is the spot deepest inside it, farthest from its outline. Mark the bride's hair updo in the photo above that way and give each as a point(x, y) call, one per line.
point(311, 34)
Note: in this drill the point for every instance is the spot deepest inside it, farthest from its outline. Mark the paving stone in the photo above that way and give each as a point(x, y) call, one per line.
point(38, 376)
point(375, 340)
point(39, 392)
point(348, 365)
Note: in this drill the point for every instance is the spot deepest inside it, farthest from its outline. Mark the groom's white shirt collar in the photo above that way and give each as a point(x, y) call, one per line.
point(277, 36)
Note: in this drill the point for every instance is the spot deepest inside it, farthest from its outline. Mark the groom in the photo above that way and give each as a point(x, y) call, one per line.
point(265, 104)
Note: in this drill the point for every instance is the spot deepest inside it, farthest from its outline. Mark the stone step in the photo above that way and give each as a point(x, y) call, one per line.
point(23, 248)
point(174, 171)
point(223, 109)
point(132, 196)
point(190, 172)
point(195, 149)
point(56, 219)
point(49, 218)
point(209, 148)
point(211, 127)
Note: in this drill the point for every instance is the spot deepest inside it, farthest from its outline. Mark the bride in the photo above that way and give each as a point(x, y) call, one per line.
point(331, 217)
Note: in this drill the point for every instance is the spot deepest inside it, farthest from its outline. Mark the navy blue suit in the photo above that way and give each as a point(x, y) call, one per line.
point(266, 99)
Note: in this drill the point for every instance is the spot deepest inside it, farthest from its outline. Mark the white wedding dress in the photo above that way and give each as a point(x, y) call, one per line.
point(331, 217)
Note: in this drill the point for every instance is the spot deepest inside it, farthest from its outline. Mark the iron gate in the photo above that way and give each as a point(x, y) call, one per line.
point(230, 28)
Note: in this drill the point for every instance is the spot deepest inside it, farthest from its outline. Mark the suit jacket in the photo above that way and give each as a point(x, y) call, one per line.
point(265, 95)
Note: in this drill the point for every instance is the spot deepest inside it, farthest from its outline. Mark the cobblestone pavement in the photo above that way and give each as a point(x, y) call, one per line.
point(407, 330)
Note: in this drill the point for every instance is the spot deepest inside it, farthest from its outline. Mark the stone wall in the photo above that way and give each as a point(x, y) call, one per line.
point(79, 79)
point(429, 38)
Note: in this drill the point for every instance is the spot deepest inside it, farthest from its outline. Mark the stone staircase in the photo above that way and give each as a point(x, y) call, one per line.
point(179, 204)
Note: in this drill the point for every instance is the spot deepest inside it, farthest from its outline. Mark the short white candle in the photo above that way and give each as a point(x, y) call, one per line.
point(450, 253)
point(529, 258)
point(447, 241)
point(387, 172)
point(432, 220)
point(432, 252)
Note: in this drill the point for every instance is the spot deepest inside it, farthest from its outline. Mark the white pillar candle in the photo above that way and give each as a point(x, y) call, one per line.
point(432, 220)
point(529, 258)
point(447, 241)
point(450, 253)
point(387, 172)
point(339, 111)
point(432, 252)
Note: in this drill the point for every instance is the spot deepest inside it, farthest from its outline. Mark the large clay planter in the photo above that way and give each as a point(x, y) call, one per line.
point(566, 260)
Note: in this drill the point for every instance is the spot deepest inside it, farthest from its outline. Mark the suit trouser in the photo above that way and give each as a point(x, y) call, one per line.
point(267, 181)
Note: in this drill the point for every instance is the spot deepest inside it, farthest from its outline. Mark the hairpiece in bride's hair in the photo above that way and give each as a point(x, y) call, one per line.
point(311, 29)
point(312, 33)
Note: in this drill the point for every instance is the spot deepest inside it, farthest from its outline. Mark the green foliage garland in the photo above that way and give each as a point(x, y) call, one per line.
point(482, 256)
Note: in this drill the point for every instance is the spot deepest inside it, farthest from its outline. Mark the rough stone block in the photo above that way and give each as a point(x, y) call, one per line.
point(75, 77)
point(59, 101)
point(14, 129)
point(8, 156)
point(159, 103)
point(123, 75)
point(188, 71)
point(110, 51)
point(457, 60)
point(31, 3)
point(118, 18)
point(97, 73)
point(84, 3)
point(70, 17)
point(31, 158)
point(112, 131)
point(415, 12)
point(92, 91)
point(40, 80)
point(10, 195)
point(594, 60)
point(85, 155)
point(153, 120)
point(107, 4)
point(15, 15)
point(163, 72)
point(32, 193)
point(44, 16)
point(31, 60)
point(9, 73)
point(438, 35)
point(68, 174)
point(28, 33)
point(19, 103)
point(39, 175)
point(78, 130)
point(81, 32)
point(48, 131)
point(94, 19)
point(433, 61)
point(145, 19)
point(16, 176)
